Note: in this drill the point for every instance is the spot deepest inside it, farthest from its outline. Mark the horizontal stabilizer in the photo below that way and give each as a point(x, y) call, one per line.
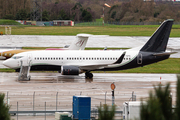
point(164, 53)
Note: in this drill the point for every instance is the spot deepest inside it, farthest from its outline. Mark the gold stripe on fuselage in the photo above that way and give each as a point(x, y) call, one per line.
point(10, 53)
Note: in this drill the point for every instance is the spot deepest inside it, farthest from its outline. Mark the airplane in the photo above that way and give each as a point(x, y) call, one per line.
point(78, 44)
point(73, 62)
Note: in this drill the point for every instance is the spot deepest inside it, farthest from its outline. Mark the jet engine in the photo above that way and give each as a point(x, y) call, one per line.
point(70, 70)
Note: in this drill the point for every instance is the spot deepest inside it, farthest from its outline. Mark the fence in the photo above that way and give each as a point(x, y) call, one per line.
point(46, 103)
point(109, 23)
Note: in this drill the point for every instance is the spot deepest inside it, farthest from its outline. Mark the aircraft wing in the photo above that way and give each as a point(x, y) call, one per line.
point(101, 66)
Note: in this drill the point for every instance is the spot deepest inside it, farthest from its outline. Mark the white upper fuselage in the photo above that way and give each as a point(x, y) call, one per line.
point(87, 60)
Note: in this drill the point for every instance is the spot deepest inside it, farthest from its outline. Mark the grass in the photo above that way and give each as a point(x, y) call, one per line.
point(97, 48)
point(170, 65)
point(8, 22)
point(112, 30)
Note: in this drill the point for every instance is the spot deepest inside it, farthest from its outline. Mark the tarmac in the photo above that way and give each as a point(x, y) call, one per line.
point(45, 87)
point(93, 41)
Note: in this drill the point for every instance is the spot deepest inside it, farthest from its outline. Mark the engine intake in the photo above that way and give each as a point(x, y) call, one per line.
point(70, 70)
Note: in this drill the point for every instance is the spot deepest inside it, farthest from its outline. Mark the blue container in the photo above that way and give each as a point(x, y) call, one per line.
point(81, 107)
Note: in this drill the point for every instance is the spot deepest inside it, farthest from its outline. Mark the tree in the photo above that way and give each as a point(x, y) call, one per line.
point(86, 16)
point(21, 15)
point(4, 109)
point(106, 113)
point(159, 105)
point(151, 110)
point(77, 11)
point(45, 16)
point(177, 110)
point(62, 15)
point(9, 16)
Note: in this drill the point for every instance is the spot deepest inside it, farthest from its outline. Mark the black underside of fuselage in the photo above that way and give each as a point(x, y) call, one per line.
point(147, 58)
point(43, 68)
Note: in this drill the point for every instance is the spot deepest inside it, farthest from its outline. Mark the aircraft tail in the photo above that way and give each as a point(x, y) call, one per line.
point(158, 41)
point(80, 42)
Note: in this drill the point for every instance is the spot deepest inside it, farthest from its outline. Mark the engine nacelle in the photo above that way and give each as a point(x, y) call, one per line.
point(70, 70)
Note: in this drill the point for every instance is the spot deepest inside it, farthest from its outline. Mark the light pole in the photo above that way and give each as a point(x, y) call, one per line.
point(105, 4)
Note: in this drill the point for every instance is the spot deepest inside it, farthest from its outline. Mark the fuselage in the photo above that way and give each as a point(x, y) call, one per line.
point(86, 60)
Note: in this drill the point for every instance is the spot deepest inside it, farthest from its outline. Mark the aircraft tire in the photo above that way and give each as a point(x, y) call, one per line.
point(29, 78)
point(88, 75)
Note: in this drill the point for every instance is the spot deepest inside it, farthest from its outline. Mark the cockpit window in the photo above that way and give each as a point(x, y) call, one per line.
point(17, 57)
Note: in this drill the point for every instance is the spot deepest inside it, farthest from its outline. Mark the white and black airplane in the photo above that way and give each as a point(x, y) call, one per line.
point(74, 62)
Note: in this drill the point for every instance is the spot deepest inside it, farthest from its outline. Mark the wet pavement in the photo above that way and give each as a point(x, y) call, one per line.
point(94, 41)
point(47, 87)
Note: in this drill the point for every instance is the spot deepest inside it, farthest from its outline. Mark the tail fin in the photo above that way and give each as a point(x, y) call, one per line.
point(80, 42)
point(158, 41)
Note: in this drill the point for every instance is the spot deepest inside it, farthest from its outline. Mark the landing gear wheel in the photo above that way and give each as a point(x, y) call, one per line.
point(29, 78)
point(88, 75)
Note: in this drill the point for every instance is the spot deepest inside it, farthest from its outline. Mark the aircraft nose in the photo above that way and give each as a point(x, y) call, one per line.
point(8, 63)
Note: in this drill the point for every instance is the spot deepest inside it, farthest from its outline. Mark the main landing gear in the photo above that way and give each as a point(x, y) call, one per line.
point(88, 75)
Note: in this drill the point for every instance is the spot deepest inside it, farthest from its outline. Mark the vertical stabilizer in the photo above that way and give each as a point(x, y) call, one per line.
point(158, 41)
point(80, 42)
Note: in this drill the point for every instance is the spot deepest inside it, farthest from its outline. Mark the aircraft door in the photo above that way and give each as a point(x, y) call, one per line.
point(139, 58)
point(29, 58)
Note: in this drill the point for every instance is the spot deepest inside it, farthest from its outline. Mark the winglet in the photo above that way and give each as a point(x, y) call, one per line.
point(120, 58)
